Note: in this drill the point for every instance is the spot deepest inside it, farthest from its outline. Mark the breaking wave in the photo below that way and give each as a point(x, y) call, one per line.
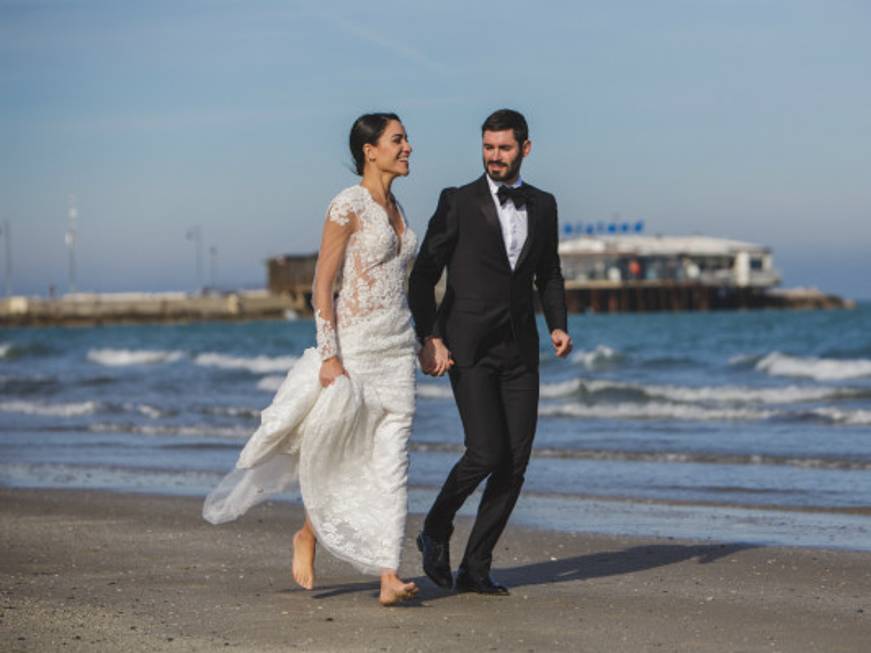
point(124, 357)
point(697, 457)
point(744, 360)
point(702, 457)
point(602, 357)
point(849, 417)
point(29, 385)
point(820, 369)
point(547, 390)
point(14, 350)
point(730, 394)
point(560, 389)
point(654, 411)
point(596, 390)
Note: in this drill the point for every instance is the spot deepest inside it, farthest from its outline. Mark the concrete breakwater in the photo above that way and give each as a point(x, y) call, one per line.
point(120, 308)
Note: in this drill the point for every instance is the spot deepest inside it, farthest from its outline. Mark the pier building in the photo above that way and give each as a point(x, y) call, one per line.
point(634, 272)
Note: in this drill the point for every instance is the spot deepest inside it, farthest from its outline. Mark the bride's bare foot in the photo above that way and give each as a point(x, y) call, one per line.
point(394, 589)
point(304, 546)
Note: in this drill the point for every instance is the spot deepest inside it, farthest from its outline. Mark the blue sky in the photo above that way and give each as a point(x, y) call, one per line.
point(735, 118)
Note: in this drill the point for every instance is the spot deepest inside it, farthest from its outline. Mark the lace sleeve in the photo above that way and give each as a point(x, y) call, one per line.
point(338, 227)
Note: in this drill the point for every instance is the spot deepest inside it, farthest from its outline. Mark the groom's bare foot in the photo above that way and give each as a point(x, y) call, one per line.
point(304, 546)
point(394, 590)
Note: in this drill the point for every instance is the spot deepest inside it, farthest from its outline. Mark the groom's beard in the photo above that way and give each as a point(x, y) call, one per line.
point(504, 172)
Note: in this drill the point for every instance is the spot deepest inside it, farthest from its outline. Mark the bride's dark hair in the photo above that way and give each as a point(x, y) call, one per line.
point(367, 129)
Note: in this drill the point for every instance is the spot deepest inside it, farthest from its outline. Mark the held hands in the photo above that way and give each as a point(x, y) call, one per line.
point(435, 359)
point(331, 369)
point(562, 342)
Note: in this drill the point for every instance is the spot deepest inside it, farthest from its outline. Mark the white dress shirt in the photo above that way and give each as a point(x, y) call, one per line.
point(515, 226)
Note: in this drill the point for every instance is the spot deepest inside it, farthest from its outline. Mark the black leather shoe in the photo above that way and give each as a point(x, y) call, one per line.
point(467, 582)
point(436, 560)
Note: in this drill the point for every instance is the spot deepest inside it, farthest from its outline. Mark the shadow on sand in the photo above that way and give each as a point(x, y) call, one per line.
point(577, 568)
point(614, 563)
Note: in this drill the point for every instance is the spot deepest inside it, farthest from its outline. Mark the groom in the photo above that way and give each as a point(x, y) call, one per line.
point(497, 236)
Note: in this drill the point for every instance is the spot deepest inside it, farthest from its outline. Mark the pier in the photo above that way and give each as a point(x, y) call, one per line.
point(604, 274)
point(646, 296)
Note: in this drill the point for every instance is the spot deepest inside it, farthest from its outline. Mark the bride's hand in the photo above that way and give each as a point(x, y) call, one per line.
point(435, 358)
point(331, 369)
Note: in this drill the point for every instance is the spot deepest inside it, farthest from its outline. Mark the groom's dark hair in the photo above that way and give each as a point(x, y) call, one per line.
point(507, 119)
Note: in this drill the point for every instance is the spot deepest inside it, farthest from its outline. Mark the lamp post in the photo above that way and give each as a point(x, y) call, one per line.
point(213, 266)
point(73, 214)
point(7, 267)
point(195, 234)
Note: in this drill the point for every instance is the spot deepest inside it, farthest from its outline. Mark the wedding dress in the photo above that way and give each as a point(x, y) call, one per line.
point(346, 444)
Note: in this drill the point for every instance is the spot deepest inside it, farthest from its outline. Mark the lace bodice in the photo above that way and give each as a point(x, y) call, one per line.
point(364, 260)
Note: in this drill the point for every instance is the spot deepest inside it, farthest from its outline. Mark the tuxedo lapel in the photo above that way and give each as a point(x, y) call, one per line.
point(491, 218)
point(532, 214)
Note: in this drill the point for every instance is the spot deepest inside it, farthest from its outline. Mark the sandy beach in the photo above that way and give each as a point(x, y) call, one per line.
point(89, 571)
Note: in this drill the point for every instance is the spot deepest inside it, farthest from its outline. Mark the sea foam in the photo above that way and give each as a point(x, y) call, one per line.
point(72, 409)
point(434, 391)
point(158, 429)
point(147, 410)
point(255, 364)
point(270, 383)
point(749, 395)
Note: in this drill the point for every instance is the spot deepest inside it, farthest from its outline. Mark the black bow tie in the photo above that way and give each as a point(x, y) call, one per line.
point(517, 195)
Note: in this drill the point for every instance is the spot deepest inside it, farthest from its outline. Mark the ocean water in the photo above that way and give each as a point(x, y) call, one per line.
point(734, 426)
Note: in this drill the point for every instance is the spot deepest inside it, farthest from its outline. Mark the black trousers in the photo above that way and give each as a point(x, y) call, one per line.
point(498, 402)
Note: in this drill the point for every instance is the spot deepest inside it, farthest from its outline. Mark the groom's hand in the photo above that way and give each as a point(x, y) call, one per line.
point(562, 342)
point(435, 359)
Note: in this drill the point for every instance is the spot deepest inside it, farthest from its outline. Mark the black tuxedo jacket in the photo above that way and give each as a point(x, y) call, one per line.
point(483, 293)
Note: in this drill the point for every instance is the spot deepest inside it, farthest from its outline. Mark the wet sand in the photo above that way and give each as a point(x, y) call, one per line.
point(90, 571)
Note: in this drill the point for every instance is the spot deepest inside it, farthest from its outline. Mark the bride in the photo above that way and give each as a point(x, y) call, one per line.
point(340, 421)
